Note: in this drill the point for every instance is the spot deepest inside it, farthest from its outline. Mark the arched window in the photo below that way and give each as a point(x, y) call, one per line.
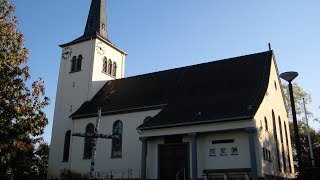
point(79, 62)
point(76, 63)
point(276, 140)
point(288, 154)
point(116, 151)
point(109, 67)
point(114, 69)
point(88, 141)
point(266, 123)
point(280, 128)
point(105, 65)
point(66, 147)
point(286, 132)
point(73, 64)
point(281, 137)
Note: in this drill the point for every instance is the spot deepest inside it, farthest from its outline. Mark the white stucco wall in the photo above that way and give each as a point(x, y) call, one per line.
point(74, 88)
point(131, 145)
point(72, 91)
point(98, 77)
point(272, 101)
point(204, 144)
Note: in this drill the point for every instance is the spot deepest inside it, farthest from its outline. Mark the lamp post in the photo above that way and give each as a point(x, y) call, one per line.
point(289, 77)
point(309, 137)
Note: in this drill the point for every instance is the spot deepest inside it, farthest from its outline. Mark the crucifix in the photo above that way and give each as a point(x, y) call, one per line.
point(93, 137)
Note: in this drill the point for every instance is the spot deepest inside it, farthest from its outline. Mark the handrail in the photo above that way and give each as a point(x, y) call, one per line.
point(184, 174)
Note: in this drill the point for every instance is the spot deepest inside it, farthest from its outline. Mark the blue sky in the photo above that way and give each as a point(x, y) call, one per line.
point(163, 34)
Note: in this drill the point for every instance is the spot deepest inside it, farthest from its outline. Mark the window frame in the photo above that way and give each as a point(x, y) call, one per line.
point(76, 64)
point(116, 152)
point(66, 147)
point(114, 69)
point(88, 142)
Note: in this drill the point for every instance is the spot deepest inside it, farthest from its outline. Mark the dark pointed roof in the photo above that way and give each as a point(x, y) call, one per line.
point(97, 19)
point(96, 26)
point(230, 89)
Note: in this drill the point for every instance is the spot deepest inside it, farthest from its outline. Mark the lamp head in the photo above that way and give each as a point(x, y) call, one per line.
point(289, 76)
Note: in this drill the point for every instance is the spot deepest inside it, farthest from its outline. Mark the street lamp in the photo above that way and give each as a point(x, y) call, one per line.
point(289, 77)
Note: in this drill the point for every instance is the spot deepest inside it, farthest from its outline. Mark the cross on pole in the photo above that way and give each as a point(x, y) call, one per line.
point(95, 135)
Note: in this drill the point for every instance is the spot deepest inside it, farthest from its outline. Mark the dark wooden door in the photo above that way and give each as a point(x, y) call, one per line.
point(172, 159)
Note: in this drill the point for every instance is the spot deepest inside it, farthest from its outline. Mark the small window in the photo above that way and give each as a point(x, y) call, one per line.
point(266, 154)
point(79, 62)
point(117, 142)
point(88, 142)
point(66, 147)
point(105, 65)
point(275, 85)
point(109, 67)
point(76, 63)
point(234, 151)
point(212, 152)
point(223, 151)
point(73, 64)
point(266, 123)
point(114, 69)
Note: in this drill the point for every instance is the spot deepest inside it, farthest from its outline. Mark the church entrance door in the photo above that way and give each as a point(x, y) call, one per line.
point(174, 159)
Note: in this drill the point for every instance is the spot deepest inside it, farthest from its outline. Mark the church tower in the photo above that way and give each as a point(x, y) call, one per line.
point(86, 64)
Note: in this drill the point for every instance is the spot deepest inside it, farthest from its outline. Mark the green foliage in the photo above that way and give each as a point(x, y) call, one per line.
point(41, 158)
point(21, 107)
point(305, 149)
point(298, 94)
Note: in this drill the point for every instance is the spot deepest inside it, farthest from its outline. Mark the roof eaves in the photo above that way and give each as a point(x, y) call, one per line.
point(196, 123)
point(120, 111)
point(86, 38)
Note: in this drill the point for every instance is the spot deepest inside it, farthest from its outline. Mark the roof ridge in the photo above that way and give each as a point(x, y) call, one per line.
point(236, 58)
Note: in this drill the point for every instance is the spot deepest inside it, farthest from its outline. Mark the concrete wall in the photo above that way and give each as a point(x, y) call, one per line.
point(273, 101)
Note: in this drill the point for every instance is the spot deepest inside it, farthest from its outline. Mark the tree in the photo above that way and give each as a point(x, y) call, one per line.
point(22, 119)
point(305, 149)
point(298, 94)
point(41, 159)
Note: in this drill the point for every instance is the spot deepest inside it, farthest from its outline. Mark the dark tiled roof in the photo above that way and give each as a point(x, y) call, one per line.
point(214, 91)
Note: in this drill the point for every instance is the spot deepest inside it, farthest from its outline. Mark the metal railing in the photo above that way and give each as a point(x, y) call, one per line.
point(179, 172)
point(117, 174)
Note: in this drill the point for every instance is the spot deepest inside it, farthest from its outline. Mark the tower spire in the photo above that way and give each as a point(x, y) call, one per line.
point(97, 19)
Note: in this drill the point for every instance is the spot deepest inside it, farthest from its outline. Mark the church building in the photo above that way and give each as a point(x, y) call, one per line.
point(224, 119)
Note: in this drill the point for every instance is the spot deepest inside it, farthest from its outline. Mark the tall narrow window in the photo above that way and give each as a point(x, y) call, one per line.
point(79, 62)
point(280, 128)
point(66, 147)
point(286, 132)
point(287, 143)
point(276, 140)
point(109, 67)
point(114, 69)
point(105, 65)
point(88, 142)
point(73, 64)
point(266, 123)
point(116, 151)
